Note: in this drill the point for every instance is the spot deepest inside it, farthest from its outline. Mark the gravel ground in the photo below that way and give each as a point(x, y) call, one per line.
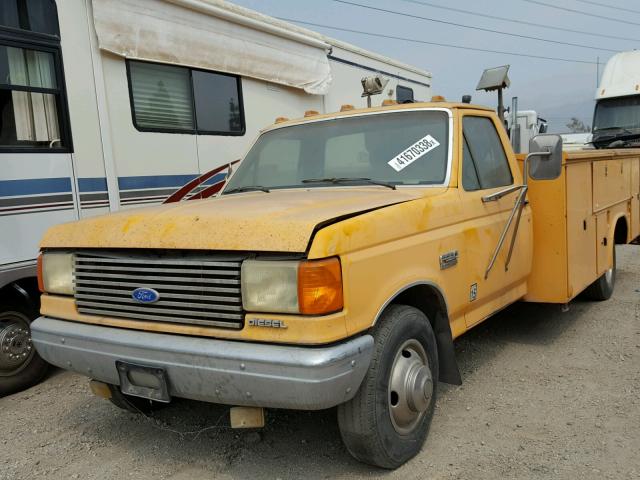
point(546, 394)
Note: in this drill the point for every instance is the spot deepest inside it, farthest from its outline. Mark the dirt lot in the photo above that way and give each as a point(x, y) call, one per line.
point(546, 394)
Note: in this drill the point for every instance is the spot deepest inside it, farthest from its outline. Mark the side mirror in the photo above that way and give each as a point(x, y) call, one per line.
point(545, 157)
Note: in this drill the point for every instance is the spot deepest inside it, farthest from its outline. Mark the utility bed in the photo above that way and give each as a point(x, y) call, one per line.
point(573, 217)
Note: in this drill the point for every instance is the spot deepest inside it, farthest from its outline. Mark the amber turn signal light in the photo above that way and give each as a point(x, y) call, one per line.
point(39, 270)
point(320, 286)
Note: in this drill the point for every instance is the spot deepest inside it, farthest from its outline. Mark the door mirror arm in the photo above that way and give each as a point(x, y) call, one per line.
point(498, 195)
point(516, 212)
point(543, 163)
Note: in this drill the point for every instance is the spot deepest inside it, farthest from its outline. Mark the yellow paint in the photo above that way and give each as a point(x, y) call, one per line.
point(581, 229)
point(558, 251)
point(304, 330)
point(282, 220)
point(574, 219)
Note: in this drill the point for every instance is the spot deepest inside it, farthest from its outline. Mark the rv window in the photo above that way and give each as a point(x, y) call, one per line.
point(30, 99)
point(161, 97)
point(217, 102)
point(33, 15)
point(404, 94)
point(170, 99)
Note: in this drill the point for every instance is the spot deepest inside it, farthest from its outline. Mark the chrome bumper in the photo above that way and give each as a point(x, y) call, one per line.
point(211, 370)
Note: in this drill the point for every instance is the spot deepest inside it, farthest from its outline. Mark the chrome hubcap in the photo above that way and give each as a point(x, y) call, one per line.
point(410, 387)
point(15, 343)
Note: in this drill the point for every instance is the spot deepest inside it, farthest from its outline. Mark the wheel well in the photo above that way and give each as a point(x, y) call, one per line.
point(621, 232)
point(425, 298)
point(21, 292)
point(430, 301)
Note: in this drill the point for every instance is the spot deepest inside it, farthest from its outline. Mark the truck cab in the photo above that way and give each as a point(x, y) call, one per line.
point(616, 120)
point(337, 265)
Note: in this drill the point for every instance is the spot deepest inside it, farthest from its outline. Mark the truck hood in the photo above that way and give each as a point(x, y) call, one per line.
point(279, 221)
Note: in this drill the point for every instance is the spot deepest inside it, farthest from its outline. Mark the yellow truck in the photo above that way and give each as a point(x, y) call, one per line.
point(342, 258)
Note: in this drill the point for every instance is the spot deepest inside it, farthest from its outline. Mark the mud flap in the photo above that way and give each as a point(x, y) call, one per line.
point(449, 371)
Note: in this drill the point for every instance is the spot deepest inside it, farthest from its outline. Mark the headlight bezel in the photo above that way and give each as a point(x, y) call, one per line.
point(257, 278)
point(56, 272)
point(300, 287)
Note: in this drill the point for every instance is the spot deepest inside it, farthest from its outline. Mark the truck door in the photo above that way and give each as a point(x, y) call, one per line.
point(36, 172)
point(486, 169)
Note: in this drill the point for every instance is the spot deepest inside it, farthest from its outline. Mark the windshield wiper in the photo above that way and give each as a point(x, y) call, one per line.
point(607, 139)
point(247, 188)
point(606, 129)
point(349, 180)
point(619, 132)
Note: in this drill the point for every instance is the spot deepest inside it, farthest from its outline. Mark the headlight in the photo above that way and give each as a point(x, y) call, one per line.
point(55, 273)
point(311, 287)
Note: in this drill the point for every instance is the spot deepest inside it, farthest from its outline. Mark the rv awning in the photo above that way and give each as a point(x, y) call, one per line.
point(213, 35)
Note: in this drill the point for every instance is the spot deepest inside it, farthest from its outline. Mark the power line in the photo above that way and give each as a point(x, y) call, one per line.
point(369, 7)
point(605, 5)
point(544, 4)
point(523, 22)
point(425, 42)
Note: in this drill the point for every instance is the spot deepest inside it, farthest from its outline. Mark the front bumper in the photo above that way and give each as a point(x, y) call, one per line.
point(212, 370)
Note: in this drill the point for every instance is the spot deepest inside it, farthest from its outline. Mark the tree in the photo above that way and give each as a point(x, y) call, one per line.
point(577, 126)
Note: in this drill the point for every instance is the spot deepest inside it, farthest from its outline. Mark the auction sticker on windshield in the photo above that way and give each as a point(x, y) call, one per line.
point(413, 153)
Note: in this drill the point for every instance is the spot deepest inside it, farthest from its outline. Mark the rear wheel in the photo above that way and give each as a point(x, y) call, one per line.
point(602, 288)
point(20, 364)
point(388, 420)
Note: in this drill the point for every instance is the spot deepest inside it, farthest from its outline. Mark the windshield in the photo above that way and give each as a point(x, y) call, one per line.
point(399, 148)
point(621, 112)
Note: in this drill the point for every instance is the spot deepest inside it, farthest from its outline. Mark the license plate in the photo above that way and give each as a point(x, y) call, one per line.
point(143, 381)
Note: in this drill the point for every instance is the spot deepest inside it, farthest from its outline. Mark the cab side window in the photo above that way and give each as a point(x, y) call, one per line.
point(484, 163)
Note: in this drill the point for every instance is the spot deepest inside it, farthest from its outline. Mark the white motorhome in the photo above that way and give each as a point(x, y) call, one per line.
point(617, 113)
point(107, 104)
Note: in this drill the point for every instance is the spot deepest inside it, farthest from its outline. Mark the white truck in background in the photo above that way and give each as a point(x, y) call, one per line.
point(529, 125)
point(576, 141)
point(110, 104)
point(616, 120)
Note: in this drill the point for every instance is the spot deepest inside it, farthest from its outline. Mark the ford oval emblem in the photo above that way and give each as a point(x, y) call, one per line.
point(145, 295)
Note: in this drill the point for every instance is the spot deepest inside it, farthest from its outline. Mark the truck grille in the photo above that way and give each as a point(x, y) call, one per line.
point(192, 290)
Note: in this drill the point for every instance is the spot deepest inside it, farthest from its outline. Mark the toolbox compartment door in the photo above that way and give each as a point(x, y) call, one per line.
point(581, 229)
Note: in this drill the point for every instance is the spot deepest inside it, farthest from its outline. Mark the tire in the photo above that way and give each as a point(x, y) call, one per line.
point(132, 404)
point(384, 425)
point(602, 288)
point(20, 365)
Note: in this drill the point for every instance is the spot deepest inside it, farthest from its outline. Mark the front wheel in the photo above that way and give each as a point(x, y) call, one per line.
point(20, 364)
point(388, 420)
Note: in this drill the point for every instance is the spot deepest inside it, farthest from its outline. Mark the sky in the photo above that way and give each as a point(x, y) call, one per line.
point(558, 90)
